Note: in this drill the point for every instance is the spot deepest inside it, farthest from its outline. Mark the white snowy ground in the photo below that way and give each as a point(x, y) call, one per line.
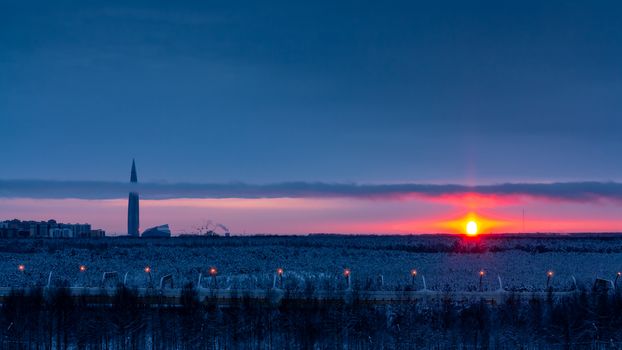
point(447, 262)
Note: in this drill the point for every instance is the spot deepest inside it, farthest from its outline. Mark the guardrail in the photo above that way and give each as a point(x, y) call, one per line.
point(164, 293)
point(173, 296)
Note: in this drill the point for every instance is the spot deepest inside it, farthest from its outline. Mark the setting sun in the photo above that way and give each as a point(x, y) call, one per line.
point(473, 224)
point(471, 228)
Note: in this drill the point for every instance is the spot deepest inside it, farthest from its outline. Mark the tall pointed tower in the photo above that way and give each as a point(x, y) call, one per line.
point(132, 206)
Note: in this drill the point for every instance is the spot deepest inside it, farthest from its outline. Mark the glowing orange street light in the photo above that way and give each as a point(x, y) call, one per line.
point(481, 276)
point(213, 272)
point(346, 274)
point(147, 270)
point(82, 268)
point(21, 267)
point(549, 275)
point(413, 273)
point(279, 273)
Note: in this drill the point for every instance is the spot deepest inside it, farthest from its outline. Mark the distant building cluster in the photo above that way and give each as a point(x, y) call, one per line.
point(47, 229)
point(51, 229)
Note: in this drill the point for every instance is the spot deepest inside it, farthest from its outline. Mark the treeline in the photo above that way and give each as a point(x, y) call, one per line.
point(413, 244)
point(58, 321)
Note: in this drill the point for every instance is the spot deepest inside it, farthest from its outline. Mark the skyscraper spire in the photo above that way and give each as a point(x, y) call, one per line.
point(132, 206)
point(133, 177)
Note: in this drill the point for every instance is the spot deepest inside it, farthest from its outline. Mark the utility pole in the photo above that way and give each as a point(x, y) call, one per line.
point(523, 220)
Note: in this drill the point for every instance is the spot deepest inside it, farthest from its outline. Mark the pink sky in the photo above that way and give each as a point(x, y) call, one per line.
point(304, 215)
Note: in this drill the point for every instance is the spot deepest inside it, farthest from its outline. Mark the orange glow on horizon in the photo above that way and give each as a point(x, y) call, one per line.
point(472, 225)
point(421, 215)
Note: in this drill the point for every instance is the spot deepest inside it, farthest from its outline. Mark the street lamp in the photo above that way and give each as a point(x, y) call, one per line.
point(481, 277)
point(21, 268)
point(346, 274)
point(147, 270)
point(213, 272)
point(549, 275)
point(413, 274)
point(279, 273)
point(82, 268)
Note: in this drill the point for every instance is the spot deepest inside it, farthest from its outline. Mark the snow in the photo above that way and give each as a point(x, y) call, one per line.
point(448, 262)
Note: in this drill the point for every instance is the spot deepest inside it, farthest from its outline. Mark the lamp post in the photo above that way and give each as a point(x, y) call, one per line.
point(82, 269)
point(346, 275)
point(549, 275)
point(213, 272)
point(279, 273)
point(147, 270)
point(413, 274)
point(481, 277)
point(615, 284)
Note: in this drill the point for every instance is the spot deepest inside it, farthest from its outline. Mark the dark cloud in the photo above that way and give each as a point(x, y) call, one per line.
point(315, 90)
point(565, 191)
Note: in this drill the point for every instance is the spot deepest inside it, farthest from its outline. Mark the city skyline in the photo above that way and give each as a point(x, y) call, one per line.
point(389, 208)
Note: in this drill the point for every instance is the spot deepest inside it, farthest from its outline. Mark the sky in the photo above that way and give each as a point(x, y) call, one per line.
point(206, 95)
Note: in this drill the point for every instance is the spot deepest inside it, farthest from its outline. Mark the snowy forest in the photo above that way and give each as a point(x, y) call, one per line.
point(55, 320)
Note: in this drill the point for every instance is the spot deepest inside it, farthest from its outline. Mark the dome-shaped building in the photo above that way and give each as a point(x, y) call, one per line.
point(162, 231)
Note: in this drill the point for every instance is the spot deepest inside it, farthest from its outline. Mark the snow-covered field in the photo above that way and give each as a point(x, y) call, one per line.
point(447, 262)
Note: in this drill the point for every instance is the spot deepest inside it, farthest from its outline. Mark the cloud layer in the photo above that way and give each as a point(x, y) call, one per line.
point(565, 191)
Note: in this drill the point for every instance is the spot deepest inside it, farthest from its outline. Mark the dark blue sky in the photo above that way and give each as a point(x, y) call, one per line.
point(206, 91)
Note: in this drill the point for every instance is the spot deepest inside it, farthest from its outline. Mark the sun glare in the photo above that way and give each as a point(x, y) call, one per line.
point(471, 228)
point(472, 225)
